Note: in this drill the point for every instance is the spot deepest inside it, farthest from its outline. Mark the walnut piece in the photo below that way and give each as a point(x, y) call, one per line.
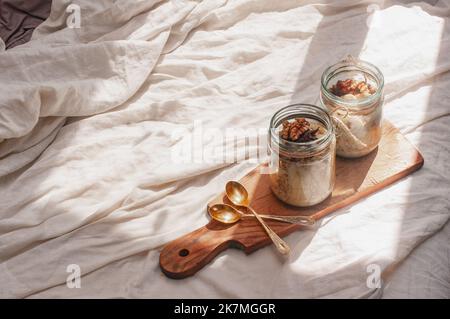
point(298, 130)
point(353, 87)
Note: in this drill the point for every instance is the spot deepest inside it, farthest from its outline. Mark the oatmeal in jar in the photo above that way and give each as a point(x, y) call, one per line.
point(352, 91)
point(302, 147)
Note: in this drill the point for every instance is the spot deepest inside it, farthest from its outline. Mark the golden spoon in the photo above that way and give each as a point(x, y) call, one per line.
point(227, 214)
point(238, 195)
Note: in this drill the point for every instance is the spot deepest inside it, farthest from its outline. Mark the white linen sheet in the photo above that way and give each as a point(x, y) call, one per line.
point(425, 273)
point(87, 117)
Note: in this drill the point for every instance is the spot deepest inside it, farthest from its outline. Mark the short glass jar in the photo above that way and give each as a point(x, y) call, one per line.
point(352, 91)
point(302, 173)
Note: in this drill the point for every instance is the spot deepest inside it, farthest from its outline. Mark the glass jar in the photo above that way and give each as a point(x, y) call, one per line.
point(352, 91)
point(302, 173)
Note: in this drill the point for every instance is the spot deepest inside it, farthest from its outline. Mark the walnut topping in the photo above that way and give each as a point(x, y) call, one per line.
point(353, 87)
point(298, 130)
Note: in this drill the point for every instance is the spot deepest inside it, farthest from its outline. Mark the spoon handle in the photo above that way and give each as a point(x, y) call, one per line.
point(304, 220)
point(281, 245)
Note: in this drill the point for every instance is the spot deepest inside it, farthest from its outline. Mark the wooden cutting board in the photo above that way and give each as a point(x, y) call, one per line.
point(394, 159)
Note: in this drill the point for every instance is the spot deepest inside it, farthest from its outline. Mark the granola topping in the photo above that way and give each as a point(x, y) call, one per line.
point(300, 130)
point(350, 88)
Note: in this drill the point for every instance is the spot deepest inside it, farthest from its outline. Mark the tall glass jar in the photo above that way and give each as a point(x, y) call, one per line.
point(352, 91)
point(302, 173)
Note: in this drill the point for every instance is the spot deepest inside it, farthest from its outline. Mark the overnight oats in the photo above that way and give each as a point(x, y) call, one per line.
point(352, 91)
point(302, 154)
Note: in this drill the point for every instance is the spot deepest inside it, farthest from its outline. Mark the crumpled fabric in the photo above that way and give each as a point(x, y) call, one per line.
point(88, 115)
point(19, 18)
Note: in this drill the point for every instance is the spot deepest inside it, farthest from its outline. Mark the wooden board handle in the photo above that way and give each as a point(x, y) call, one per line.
point(186, 255)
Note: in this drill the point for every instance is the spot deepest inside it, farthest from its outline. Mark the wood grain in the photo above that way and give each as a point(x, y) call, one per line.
point(394, 159)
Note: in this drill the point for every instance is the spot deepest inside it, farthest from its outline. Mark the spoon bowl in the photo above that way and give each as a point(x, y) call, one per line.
point(237, 193)
point(224, 213)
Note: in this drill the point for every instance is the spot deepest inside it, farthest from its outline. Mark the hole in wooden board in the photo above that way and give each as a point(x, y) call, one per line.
point(183, 252)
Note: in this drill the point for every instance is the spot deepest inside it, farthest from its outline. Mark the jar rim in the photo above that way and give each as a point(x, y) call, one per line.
point(361, 65)
point(306, 111)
